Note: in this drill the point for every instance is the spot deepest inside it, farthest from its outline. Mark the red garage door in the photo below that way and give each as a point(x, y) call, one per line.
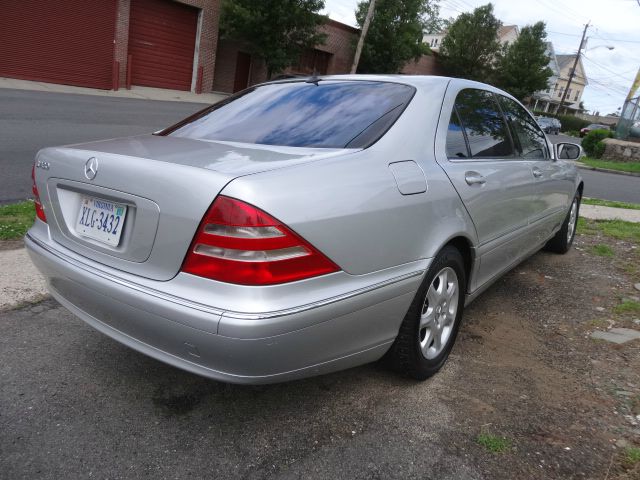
point(162, 39)
point(69, 42)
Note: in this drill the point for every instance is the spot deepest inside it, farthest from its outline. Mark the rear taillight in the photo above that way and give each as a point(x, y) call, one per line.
point(36, 197)
point(239, 243)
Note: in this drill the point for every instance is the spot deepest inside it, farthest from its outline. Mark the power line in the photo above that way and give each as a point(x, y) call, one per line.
point(611, 88)
point(567, 34)
point(563, 9)
point(604, 68)
point(455, 6)
point(617, 39)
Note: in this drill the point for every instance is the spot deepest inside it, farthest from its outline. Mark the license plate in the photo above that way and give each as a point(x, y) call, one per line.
point(101, 220)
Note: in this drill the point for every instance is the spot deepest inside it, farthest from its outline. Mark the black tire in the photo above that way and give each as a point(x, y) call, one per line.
point(561, 241)
point(406, 353)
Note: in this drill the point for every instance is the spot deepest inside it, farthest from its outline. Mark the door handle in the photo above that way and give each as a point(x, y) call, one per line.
point(474, 178)
point(537, 172)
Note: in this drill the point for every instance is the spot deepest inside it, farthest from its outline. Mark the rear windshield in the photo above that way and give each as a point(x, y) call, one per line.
point(325, 114)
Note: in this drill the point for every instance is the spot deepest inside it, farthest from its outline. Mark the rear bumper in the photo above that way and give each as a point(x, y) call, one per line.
point(345, 330)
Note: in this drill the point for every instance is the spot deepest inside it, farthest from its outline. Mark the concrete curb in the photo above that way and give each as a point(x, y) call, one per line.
point(20, 281)
point(606, 170)
point(600, 212)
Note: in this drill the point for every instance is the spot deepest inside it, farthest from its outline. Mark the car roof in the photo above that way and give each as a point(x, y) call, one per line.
point(413, 80)
point(417, 81)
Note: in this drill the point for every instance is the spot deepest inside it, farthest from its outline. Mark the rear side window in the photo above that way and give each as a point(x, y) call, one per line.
point(484, 125)
point(456, 142)
point(527, 135)
point(325, 114)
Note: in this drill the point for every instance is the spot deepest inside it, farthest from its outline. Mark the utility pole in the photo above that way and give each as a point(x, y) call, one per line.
point(575, 65)
point(365, 27)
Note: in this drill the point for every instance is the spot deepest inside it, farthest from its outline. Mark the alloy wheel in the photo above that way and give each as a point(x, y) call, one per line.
point(439, 312)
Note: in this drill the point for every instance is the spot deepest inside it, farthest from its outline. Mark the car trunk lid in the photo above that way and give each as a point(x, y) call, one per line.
point(165, 185)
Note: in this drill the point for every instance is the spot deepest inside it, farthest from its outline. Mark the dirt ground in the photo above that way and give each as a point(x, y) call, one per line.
point(534, 375)
point(74, 404)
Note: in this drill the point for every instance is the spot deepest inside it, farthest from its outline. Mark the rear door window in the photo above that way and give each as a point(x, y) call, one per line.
point(529, 138)
point(323, 114)
point(482, 121)
point(456, 141)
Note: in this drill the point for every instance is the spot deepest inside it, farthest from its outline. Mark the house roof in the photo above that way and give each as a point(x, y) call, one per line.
point(505, 29)
point(566, 61)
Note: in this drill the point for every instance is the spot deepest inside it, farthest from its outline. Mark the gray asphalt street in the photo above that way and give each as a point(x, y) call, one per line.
point(608, 186)
point(30, 121)
point(611, 186)
point(91, 408)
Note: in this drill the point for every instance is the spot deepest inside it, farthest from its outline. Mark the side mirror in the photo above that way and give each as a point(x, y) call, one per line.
point(568, 151)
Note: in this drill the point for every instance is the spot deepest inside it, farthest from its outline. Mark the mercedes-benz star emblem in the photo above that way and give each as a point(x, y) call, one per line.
point(91, 168)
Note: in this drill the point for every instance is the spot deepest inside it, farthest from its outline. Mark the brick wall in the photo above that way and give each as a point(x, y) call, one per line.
point(208, 41)
point(426, 65)
point(208, 38)
point(122, 39)
point(340, 43)
point(225, 65)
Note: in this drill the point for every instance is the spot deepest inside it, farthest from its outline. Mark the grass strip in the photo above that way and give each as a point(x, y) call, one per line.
point(16, 219)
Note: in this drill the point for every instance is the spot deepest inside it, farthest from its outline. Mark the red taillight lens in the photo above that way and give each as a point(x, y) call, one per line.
point(239, 243)
point(36, 197)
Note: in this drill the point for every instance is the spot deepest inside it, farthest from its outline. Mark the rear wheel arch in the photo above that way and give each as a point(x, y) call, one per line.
point(465, 247)
point(581, 188)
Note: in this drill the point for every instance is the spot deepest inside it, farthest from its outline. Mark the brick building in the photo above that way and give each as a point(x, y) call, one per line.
point(425, 65)
point(173, 44)
point(236, 69)
point(102, 43)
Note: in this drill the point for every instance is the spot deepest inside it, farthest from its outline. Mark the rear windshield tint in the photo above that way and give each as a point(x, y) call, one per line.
point(326, 114)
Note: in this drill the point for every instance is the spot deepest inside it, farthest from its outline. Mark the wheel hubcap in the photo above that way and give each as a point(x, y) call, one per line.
point(439, 312)
point(573, 217)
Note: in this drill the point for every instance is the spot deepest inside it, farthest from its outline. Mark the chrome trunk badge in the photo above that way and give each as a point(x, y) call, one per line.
point(91, 168)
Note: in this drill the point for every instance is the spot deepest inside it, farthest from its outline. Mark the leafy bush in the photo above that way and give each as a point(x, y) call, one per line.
point(569, 122)
point(593, 144)
point(598, 150)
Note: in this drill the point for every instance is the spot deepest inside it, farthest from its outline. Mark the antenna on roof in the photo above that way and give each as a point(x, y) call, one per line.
point(313, 79)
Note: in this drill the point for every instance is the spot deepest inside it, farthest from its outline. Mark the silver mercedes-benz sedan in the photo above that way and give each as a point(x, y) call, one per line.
point(303, 226)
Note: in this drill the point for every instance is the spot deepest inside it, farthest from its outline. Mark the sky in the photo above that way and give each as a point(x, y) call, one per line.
point(613, 23)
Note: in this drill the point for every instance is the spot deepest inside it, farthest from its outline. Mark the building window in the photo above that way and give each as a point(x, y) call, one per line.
point(434, 42)
point(569, 93)
point(575, 99)
point(561, 91)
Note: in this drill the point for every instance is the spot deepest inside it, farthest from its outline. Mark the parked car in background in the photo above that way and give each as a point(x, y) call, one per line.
point(550, 125)
point(303, 226)
point(593, 126)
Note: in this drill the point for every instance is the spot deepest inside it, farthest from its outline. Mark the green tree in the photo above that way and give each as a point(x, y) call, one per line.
point(395, 34)
point(275, 30)
point(523, 67)
point(471, 46)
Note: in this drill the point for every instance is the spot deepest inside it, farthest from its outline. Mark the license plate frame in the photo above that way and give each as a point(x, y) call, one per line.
point(101, 220)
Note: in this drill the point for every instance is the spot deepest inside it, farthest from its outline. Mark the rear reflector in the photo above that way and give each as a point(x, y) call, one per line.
point(239, 243)
point(36, 197)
